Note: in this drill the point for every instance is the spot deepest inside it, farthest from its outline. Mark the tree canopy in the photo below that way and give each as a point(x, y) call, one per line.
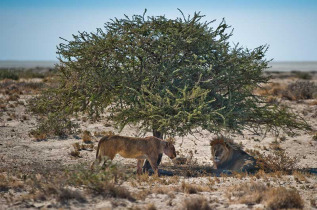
point(165, 75)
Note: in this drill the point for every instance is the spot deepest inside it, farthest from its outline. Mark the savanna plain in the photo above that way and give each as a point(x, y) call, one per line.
point(42, 172)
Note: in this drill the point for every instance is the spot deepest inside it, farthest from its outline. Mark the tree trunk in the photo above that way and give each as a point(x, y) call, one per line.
point(147, 165)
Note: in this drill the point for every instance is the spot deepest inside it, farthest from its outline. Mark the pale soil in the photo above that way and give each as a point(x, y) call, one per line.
point(19, 151)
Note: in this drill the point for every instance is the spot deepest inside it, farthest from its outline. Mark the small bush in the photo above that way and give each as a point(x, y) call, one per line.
point(38, 135)
point(103, 182)
point(282, 198)
point(300, 90)
point(199, 203)
point(248, 193)
point(103, 133)
point(86, 136)
point(303, 75)
point(193, 188)
point(279, 160)
point(7, 74)
point(274, 198)
point(56, 124)
point(64, 195)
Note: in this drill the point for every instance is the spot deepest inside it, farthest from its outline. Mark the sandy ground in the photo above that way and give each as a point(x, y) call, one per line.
point(19, 151)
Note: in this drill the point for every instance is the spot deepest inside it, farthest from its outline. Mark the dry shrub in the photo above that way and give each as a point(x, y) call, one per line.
point(105, 182)
point(165, 189)
point(37, 135)
point(64, 195)
point(56, 124)
point(299, 177)
point(247, 193)
point(195, 203)
point(313, 203)
point(273, 198)
point(141, 195)
point(75, 153)
point(313, 103)
point(194, 188)
point(271, 89)
point(278, 160)
point(107, 189)
point(103, 133)
point(76, 150)
point(300, 90)
point(86, 136)
point(151, 206)
point(282, 198)
point(10, 182)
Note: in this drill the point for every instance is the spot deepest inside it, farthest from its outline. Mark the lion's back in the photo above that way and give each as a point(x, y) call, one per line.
point(242, 161)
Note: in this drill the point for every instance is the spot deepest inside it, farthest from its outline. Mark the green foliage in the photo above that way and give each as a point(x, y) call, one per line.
point(303, 75)
point(8, 74)
point(165, 75)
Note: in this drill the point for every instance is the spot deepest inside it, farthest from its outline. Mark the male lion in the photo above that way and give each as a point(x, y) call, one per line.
point(139, 148)
point(227, 155)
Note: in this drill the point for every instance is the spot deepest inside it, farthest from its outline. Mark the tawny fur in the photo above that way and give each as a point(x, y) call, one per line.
point(139, 148)
point(227, 155)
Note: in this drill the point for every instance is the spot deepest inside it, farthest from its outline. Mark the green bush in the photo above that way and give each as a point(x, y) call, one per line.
point(8, 74)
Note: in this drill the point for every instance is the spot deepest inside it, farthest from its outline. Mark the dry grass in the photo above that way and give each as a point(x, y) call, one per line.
point(103, 133)
point(300, 177)
point(86, 136)
point(76, 150)
point(151, 206)
point(196, 203)
point(10, 182)
point(37, 135)
point(299, 90)
point(278, 160)
point(165, 189)
point(282, 198)
point(271, 89)
point(273, 198)
point(315, 137)
point(194, 188)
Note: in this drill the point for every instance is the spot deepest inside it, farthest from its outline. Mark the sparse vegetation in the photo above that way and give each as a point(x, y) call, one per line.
point(278, 160)
point(86, 136)
point(55, 124)
point(303, 75)
point(196, 203)
point(7, 74)
point(282, 198)
point(193, 188)
point(273, 197)
point(300, 90)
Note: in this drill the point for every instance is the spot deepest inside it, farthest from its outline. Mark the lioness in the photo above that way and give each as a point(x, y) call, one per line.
point(227, 155)
point(139, 148)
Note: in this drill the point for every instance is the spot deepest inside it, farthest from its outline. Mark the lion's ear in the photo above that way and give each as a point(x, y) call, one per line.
point(166, 144)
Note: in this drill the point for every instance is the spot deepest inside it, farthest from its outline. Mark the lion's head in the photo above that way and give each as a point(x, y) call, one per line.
point(221, 149)
point(169, 149)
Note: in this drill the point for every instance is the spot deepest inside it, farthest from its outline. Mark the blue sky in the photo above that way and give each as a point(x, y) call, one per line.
point(30, 29)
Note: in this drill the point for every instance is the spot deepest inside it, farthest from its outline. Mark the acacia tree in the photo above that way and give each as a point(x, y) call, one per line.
point(169, 76)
